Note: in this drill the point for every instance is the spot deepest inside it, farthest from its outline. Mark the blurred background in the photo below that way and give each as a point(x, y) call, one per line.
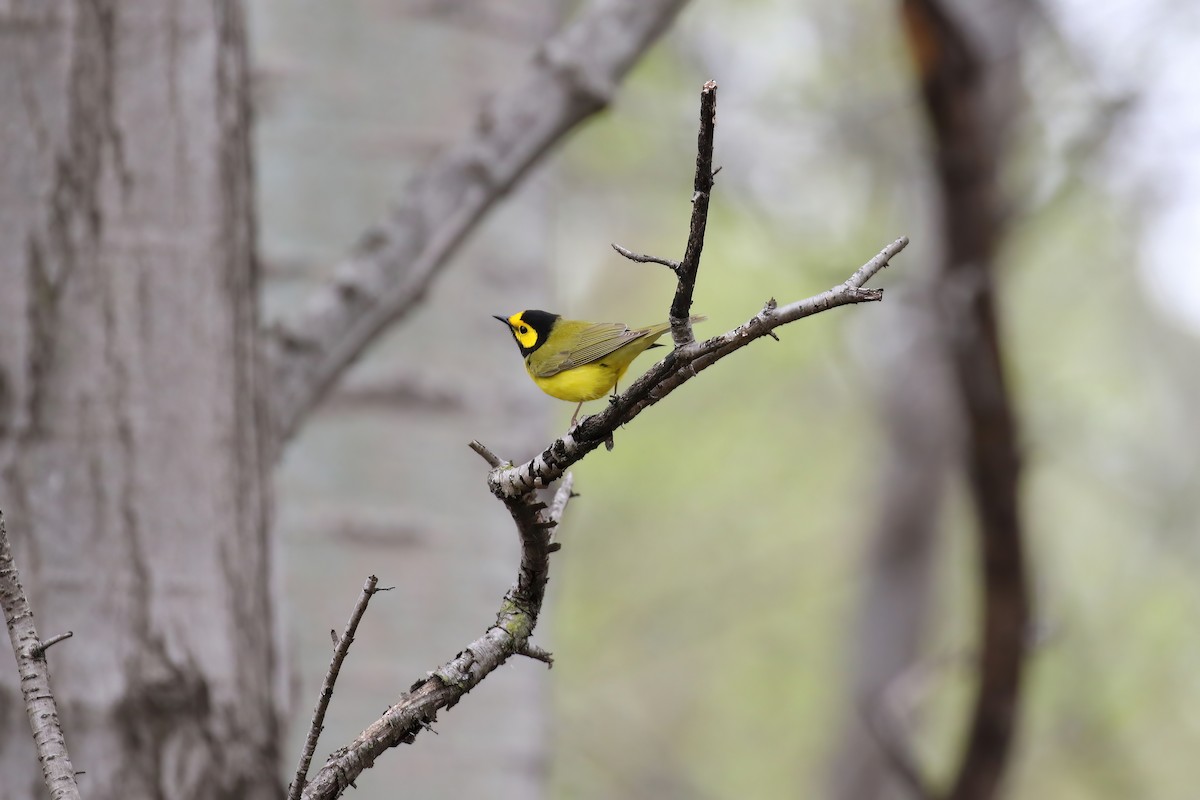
point(787, 546)
point(706, 605)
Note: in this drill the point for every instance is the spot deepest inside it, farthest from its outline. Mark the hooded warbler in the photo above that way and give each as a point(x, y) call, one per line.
point(579, 361)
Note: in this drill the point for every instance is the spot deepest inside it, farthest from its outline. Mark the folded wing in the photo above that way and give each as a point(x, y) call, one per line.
point(594, 343)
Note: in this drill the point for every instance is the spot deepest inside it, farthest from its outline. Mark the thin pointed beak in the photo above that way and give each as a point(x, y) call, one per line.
point(502, 319)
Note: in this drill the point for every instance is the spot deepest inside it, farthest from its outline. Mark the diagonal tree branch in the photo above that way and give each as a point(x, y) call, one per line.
point(509, 635)
point(673, 371)
point(574, 75)
point(34, 672)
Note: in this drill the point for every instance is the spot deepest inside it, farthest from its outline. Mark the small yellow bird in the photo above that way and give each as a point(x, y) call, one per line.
point(579, 361)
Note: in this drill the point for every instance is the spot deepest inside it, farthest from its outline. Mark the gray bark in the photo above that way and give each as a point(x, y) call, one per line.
point(133, 465)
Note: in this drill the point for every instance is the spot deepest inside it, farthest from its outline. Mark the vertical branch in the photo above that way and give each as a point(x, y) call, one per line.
point(34, 672)
point(681, 306)
point(967, 108)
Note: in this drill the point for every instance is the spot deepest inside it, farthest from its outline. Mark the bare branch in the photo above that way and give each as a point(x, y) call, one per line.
point(645, 259)
point(34, 673)
point(573, 77)
point(673, 371)
point(537, 654)
point(681, 306)
point(39, 650)
point(487, 455)
point(340, 651)
point(443, 687)
point(561, 498)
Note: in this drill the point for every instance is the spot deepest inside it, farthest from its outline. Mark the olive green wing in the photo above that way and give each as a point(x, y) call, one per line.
point(588, 343)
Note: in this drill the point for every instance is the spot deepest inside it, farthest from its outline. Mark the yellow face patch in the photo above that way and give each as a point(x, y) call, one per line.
point(525, 334)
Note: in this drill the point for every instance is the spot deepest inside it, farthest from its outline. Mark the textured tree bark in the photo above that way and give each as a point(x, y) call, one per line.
point(133, 464)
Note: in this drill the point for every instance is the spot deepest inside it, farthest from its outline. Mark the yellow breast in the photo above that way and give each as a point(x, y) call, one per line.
point(580, 384)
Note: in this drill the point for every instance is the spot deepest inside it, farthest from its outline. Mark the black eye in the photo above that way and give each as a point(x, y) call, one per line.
point(524, 329)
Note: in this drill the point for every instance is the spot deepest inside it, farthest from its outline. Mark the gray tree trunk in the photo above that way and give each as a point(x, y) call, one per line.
point(132, 457)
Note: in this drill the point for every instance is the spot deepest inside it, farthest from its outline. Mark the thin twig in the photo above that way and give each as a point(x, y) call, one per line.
point(331, 676)
point(561, 498)
point(443, 687)
point(673, 371)
point(641, 258)
point(537, 654)
point(681, 306)
point(34, 674)
point(484, 453)
point(39, 650)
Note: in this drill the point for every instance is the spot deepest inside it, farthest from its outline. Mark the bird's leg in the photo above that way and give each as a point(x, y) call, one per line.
point(575, 416)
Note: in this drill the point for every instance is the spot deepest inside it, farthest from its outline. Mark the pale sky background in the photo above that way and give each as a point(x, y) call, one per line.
point(1151, 51)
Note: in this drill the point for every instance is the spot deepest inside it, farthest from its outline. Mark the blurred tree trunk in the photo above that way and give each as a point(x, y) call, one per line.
point(132, 458)
point(949, 398)
point(922, 424)
point(969, 62)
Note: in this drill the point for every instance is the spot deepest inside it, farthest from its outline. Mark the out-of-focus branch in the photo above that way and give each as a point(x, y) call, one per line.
point(890, 737)
point(921, 439)
point(340, 650)
point(574, 75)
point(445, 686)
point(34, 673)
point(968, 101)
